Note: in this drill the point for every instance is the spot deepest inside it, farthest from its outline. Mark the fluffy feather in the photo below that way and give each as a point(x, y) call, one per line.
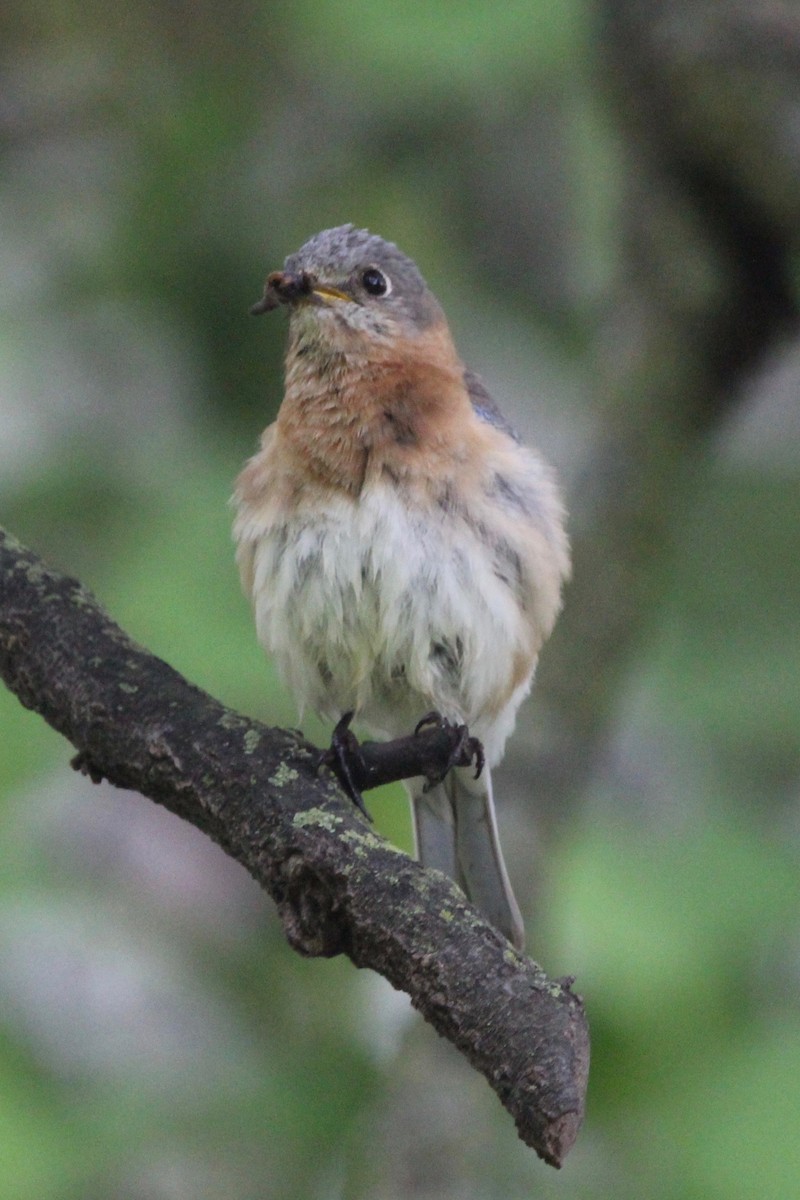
point(402, 550)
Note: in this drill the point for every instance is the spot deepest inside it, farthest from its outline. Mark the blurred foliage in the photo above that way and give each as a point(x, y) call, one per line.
point(158, 1040)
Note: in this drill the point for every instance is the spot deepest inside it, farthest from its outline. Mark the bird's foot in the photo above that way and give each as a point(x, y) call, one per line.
point(464, 749)
point(345, 759)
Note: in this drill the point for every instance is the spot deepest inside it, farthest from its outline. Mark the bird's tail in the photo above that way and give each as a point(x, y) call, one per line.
point(456, 832)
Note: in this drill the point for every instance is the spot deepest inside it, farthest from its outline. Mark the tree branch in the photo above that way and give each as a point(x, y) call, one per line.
point(339, 887)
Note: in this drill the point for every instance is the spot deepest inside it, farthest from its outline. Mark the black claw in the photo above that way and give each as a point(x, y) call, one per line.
point(476, 752)
point(344, 758)
point(431, 718)
point(464, 748)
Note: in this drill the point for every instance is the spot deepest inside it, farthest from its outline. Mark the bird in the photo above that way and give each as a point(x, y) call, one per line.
point(403, 551)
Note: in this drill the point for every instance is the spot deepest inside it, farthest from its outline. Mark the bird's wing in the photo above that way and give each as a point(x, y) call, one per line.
point(485, 405)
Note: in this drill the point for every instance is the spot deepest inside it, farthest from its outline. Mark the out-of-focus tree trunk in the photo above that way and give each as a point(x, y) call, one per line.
point(707, 98)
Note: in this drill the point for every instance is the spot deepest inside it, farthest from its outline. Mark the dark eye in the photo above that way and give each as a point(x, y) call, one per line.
point(375, 282)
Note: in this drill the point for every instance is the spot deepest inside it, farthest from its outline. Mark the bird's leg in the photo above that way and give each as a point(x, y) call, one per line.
point(345, 759)
point(464, 749)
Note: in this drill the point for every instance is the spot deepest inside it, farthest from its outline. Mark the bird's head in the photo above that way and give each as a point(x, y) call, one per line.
point(347, 286)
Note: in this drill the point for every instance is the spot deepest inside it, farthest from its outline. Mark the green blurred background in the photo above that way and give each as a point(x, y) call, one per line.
point(158, 1039)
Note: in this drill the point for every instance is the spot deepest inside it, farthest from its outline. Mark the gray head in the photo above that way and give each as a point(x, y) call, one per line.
point(347, 276)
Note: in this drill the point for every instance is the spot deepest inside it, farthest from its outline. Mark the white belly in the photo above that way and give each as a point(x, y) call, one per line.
point(390, 613)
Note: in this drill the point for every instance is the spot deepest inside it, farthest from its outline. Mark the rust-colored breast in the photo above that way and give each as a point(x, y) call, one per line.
point(348, 418)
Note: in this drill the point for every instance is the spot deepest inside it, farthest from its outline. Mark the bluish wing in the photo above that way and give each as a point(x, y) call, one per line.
point(486, 406)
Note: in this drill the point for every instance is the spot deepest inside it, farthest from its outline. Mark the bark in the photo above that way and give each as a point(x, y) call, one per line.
point(340, 888)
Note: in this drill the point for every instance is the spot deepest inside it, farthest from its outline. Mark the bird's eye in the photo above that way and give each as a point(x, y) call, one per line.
point(375, 282)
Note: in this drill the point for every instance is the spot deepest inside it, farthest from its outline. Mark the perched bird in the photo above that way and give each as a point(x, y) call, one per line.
point(403, 551)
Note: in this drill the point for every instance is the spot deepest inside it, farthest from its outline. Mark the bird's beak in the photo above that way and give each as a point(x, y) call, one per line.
point(284, 288)
point(327, 292)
